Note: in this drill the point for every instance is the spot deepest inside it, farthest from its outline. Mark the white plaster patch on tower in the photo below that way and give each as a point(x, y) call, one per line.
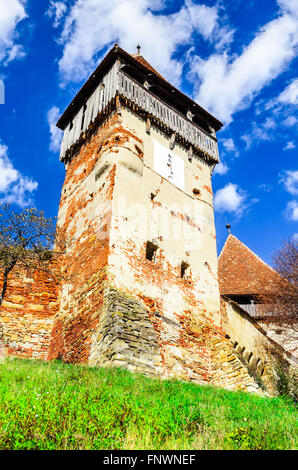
point(168, 165)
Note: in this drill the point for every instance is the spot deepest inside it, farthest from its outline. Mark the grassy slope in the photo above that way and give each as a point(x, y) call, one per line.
point(60, 406)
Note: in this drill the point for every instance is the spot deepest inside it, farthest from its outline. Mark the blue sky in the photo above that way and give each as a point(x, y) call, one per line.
point(238, 59)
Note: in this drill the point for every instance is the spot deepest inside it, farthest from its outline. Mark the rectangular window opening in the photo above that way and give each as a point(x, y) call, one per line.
point(184, 270)
point(151, 250)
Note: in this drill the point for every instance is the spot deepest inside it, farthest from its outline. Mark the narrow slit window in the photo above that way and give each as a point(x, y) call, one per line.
point(151, 250)
point(184, 270)
point(83, 117)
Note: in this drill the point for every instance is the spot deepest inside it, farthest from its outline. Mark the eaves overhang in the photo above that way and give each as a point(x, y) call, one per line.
point(118, 53)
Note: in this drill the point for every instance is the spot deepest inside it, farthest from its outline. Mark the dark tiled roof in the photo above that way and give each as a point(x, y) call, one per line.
point(141, 63)
point(242, 272)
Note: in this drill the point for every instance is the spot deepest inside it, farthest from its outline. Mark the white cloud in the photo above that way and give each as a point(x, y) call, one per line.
point(228, 85)
point(269, 123)
point(228, 151)
point(290, 181)
point(289, 5)
point(290, 121)
point(56, 134)
point(290, 94)
point(287, 99)
point(292, 211)
point(289, 146)
point(230, 199)
point(267, 188)
point(259, 132)
point(57, 11)
point(221, 169)
point(295, 237)
point(91, 26)
point(11, 13)
point(2, 92)
point(276, 127)
point(229, 146)
point(14, 187)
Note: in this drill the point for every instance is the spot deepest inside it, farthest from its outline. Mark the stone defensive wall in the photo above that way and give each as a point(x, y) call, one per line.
point(28, 311)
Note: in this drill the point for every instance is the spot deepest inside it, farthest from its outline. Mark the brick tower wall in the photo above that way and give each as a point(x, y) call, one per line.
point(85, 218)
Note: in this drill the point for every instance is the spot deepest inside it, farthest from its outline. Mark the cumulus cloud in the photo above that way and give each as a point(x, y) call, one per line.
point(287, 98)
point(267, 188)
point(55, 133)
point(275, 127)
point(289, 146)
point(221, 169)
point(259, 132)
point(2, 92)
point(229, 84)
point(290, 181)
point(56, 11)
point(230, 147)
point(228, 151)
point(290, 94)
point(295, 237)
point(90, 26)
point(231, 199)
point(11, 13)
point(292, 211)
point(14, 187)
point(290, 121)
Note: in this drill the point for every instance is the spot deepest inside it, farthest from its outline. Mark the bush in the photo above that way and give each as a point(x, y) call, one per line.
point(286, 380)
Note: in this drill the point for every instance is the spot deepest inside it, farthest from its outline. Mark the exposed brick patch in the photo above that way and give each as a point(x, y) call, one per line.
point(27, 313)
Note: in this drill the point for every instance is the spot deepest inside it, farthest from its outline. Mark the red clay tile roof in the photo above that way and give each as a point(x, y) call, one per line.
point(242, 272)
point(146, 64)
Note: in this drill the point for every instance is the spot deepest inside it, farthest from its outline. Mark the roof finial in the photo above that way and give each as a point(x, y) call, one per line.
point(138, 49)
point(228, 226)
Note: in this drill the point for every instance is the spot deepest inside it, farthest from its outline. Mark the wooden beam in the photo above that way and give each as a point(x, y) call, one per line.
point(148, 125)
point(190, 153)
point(172, 140)
point(118, 105)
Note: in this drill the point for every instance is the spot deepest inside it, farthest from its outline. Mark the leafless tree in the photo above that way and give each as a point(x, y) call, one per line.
point(282, 301)
point(26, 239)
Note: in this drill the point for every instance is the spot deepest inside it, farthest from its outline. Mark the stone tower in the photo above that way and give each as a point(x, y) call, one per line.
point(140, 283)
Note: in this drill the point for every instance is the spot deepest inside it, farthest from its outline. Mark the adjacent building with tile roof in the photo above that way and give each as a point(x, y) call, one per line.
point(242, 274)
point(246, 279)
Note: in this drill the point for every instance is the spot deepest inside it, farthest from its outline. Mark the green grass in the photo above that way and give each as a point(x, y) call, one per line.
point(60, 406)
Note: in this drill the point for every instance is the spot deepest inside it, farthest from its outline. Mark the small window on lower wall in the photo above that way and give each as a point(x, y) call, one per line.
point(151, 250)
point(184, 270)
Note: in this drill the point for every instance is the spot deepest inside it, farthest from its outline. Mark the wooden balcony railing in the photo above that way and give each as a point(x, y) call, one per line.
point(116, 82)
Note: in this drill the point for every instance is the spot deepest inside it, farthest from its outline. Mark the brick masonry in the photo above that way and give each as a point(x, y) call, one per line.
point(28, 311)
